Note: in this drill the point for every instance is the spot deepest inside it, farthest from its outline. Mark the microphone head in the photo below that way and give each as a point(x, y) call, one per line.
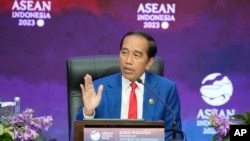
point(139, 80)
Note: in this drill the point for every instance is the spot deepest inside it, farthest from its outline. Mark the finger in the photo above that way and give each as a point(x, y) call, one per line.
point(82, 88)
point(88, 82)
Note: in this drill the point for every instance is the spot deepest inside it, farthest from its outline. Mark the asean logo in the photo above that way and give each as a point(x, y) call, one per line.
point(95, 135)
point(216, 89)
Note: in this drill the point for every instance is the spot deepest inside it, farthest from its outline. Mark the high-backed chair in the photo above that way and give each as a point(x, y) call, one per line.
point(97, 66)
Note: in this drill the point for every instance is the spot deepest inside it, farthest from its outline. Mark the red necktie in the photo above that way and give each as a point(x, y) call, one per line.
point(132, 113)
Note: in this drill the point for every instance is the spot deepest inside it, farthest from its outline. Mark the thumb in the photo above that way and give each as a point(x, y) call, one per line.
point(100, 89)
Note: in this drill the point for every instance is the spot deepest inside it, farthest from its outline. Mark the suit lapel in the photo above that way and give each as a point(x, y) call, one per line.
point(114, 97)
point(149, 101)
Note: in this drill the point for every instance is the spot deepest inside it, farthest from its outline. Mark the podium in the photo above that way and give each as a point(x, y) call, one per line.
point(117, 129)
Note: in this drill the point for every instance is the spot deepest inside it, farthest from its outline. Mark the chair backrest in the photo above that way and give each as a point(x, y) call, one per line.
point(97, 66)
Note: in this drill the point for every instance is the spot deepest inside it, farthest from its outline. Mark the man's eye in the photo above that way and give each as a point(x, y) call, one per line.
point(124, 52)
point(137, 55)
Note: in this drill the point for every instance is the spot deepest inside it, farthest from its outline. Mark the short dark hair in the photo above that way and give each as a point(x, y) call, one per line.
point(152, 47)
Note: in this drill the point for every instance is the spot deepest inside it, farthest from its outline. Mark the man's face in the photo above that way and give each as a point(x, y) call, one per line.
point(133, 57)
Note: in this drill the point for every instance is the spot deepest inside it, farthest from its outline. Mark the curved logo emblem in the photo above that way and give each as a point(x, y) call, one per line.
point(95, 135)
point(216, 89)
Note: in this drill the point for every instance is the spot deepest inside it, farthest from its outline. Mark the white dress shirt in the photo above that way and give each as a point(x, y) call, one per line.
point(126, 89)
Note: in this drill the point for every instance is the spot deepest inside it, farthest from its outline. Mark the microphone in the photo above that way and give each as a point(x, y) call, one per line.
point(172, 112)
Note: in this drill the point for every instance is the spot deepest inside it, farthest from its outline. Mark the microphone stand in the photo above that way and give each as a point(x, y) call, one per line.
point(174, 120)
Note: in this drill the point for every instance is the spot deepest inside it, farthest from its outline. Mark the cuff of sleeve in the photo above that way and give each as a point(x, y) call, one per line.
point(88, 117)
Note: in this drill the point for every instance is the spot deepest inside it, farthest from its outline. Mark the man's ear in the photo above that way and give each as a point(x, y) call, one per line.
point(150, 62)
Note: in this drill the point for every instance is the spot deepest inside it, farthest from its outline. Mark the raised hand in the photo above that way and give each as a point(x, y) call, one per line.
point(90, 98)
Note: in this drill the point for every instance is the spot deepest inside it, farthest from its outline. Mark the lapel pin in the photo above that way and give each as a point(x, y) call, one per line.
point(151, 101)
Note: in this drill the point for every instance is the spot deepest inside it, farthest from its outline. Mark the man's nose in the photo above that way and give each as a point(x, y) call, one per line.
point(129, 59)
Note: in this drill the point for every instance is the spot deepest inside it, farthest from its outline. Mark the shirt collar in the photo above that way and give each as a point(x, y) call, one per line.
point(126, 82)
